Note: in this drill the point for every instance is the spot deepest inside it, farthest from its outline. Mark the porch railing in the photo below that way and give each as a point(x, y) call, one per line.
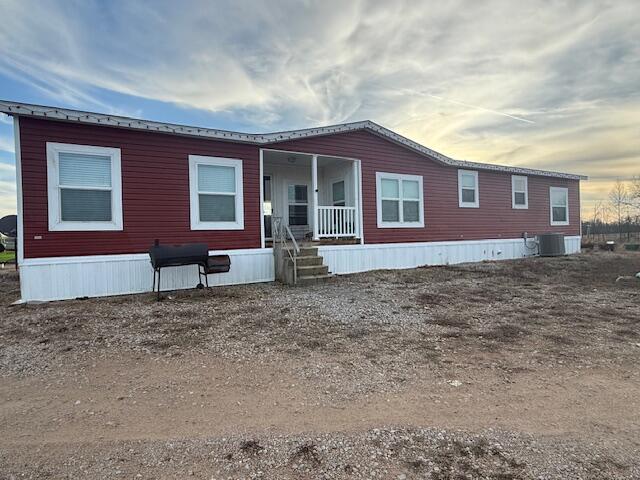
point(336, 221)
point(281, 235)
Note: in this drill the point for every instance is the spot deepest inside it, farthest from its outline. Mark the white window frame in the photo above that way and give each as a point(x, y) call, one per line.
point(194, 202)
point(344, 191)
point(476, 203)
point(514, 191)
point(399, 177)
point(564, 190)
point(53, 188)
point(297, 204)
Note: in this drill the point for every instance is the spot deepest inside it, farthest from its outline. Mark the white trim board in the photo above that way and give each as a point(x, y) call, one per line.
point(344, 259)
point(400, 199)
point(565, 191)
point(101, 275)
point(525, 205)
point(195, 161)
point(18, 157)
point(77, 116)
point(62, 278)
point(476, 189)
point(56, 223)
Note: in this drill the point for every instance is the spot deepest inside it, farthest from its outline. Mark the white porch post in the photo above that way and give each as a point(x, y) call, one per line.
point(314, 190)
point(356, 203)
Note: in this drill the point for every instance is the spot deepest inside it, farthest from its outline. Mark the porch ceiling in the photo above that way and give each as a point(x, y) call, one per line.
point(286, 158)
point(273, 157)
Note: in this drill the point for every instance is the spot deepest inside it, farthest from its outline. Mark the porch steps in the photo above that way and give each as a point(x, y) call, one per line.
point(308, 260)
point(312, 270)
point(310, 267)
point(339, 241)
point(306, 251)
point(313, 279)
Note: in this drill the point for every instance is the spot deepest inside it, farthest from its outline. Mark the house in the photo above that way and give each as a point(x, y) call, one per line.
point(8, 231)
point(9, 243)
point(96, 190)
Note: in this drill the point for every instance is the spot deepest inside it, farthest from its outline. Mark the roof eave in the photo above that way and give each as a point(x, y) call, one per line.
point(67, 115)
point(77, 116)
point(443, 159)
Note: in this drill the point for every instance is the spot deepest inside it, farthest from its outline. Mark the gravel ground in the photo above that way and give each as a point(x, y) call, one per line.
point(530, 366)
point(377, 453)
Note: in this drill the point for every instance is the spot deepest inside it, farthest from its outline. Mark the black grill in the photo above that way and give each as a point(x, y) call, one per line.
point(187, 254)
point(175, 255)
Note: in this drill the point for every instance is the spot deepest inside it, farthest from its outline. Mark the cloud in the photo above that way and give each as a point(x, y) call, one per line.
point(544, 85)
point(7, 189)
point(7, 144)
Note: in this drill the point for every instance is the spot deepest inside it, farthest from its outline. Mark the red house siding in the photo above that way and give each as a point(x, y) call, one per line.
point(155, 190)
point(444, 219)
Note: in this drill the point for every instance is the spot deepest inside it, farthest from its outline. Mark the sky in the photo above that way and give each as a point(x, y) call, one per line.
point(541, 84)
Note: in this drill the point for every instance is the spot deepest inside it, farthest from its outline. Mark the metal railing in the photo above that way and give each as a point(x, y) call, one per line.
point(336, 221)
point(281, 235)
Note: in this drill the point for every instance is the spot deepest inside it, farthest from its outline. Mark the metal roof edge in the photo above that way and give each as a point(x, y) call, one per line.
point(64, 114)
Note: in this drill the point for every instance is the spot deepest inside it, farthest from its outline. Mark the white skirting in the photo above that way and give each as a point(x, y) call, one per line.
point(95, 276)
point(343, 259)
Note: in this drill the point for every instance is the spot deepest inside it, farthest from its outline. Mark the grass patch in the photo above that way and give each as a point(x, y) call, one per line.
point(7, 256)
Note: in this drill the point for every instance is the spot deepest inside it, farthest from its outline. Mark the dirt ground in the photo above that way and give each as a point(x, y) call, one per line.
point(505, 370)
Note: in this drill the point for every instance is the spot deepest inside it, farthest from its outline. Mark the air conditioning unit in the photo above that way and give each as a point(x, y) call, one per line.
point(551, 244)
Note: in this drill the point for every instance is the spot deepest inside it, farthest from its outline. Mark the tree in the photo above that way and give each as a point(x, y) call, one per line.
point(634, 192)
point(619, 200)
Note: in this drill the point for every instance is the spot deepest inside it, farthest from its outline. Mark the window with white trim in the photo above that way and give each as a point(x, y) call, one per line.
point(559, 205)
point(298, 205)
point(216, 199)
point(468, 195)
point(338, 194)
point(84, 187)
point(519, 192)
point(400, 200)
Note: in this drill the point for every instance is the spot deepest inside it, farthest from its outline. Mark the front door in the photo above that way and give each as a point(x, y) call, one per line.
point(298, 215)
point(267, 207)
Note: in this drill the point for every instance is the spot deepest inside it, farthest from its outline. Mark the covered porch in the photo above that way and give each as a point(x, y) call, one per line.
point(316, 196)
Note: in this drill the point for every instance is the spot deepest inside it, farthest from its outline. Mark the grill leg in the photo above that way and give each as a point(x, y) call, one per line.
point(159, 271)
point(200, 286)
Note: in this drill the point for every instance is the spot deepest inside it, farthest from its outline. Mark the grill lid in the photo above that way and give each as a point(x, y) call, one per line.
point(174, 255)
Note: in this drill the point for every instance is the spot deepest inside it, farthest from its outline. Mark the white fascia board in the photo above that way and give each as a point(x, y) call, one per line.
point(55, 113)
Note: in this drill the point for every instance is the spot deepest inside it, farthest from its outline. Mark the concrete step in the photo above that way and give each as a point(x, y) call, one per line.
point(308, 252)
point(313, 279)
point(312, 270)
point(339, 241)
point(308, 260)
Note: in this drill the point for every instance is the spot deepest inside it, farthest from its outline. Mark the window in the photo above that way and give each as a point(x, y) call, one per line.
point(559, 204)
point(84, 187)
point(337, 194)
point(519, 192)
point(400, 200)
point(267, 206)
point(298, 205)
point(468, 189)
point(216, 193)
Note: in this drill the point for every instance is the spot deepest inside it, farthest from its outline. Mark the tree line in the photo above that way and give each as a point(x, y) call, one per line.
point(618, 215)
